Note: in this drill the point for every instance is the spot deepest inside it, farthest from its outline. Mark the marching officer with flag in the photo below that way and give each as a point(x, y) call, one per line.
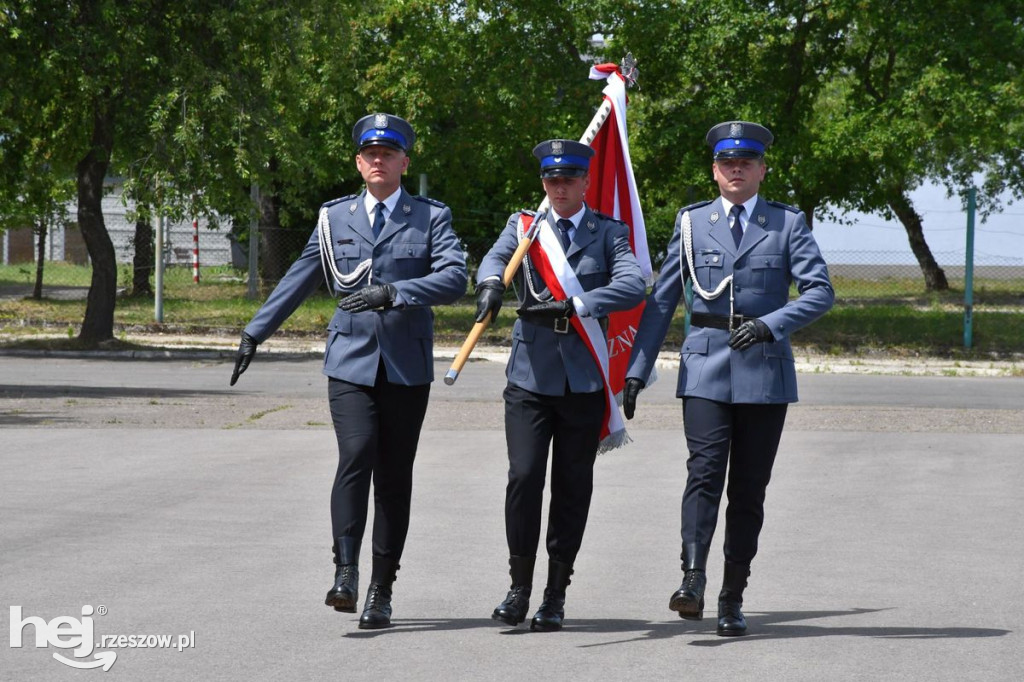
point(737, 374)
point(391, 255)
point(578, 269)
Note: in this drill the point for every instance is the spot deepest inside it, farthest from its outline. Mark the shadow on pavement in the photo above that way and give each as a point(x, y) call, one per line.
point(24, 391)
point(17, 418)
point(763, 626)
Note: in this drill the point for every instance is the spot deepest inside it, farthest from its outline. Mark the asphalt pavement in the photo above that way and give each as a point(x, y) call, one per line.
point(151, 511)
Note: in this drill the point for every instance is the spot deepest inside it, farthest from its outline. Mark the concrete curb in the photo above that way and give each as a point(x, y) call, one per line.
point(170, 347)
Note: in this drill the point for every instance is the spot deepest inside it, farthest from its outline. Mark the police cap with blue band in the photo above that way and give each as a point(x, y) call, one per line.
point(566, 158)
point(739, 139)
point(383, 129)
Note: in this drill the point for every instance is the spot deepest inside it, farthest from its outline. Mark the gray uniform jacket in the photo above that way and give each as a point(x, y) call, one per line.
point(417, 252)
point(777, 249)
point(543, 360)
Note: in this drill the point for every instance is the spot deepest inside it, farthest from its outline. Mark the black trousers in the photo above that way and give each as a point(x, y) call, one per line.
point(743, 438)
point(378, 430)
point(571, 425)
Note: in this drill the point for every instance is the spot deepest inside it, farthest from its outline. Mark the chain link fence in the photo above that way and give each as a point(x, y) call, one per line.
point(857, 275)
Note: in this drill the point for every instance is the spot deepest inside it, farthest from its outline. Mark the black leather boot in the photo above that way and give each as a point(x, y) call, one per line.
point(731, 622)
point(345, 593)
point(688, 600)
point(513, 610)
point(377, 610)
point(552, 610)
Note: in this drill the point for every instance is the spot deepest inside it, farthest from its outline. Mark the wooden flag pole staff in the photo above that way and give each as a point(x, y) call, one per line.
point(517, 257)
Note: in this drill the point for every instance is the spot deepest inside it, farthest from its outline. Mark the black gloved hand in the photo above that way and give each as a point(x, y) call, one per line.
point(488, 299)
point(629, 394)
point(749, 333)
point(380, 296)
point(548, 310)
point(246, 351)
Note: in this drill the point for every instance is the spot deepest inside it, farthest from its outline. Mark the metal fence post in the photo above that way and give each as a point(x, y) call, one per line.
point(969, 272)
point(158, 288)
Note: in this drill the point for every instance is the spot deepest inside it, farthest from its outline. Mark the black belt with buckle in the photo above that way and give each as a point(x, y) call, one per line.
point(717, 321)
point(561, 325)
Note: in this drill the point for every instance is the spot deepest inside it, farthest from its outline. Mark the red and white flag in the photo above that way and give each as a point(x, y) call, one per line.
point(613, 192)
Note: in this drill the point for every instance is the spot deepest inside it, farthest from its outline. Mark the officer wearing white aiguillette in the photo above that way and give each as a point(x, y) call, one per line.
point(391, 255)
point(737, 373)
point(556, 396)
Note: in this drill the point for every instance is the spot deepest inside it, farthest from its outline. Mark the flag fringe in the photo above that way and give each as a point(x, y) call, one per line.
point(613, 441)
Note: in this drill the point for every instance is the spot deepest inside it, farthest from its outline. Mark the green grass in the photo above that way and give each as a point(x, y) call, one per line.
point(899, 320)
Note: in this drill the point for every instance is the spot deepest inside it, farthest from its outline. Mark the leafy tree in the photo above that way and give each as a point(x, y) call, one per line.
point(932, 99)
point(867, 99)
point(85, 72)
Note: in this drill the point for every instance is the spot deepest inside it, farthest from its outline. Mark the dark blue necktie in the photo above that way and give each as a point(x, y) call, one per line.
point(737, 227)
point(378, 219)
point(564, 225)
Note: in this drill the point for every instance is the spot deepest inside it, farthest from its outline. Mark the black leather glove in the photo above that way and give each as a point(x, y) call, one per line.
point(246, 351)
point(376, 296)
point(749, 333)
point(629, 394)
point(548, 310)
point(488, 299)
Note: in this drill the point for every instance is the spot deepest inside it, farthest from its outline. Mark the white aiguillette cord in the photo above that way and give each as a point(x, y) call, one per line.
point(331, 272)
point(687, 229)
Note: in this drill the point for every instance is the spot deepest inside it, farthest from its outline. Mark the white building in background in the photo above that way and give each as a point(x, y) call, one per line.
point(64, 243)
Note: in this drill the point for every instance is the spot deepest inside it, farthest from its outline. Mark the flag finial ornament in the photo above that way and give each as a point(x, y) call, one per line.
point(628, 70)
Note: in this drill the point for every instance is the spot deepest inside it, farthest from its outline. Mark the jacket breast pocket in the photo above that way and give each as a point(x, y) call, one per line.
point(591, 272)
point(709, 266)
point(768, 273)
point(412, 259)
point(348, 257)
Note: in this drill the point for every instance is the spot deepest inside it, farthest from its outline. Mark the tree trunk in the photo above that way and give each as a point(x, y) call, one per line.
point(37, 291)
point(144, 259)
point(98, 324)
point(934, 277)
point(274, 260)
point(808, 207)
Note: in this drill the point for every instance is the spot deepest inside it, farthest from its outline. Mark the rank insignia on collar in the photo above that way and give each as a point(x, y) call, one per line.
point(591, 225)
point(406, 209)
point(715, 217)
point(352, 207)
point(380, 121)
point(761, 220)
point(556, 147)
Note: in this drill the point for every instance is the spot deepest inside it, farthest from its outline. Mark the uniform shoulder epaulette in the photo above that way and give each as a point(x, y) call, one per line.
point(528, 212)
point(684, 209)
point(611, 218)
point(332, 202)
point(779, 204)
point(428, 200)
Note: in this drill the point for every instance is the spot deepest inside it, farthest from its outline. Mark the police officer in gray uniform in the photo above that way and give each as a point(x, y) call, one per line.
point(391, 255)
point(737, 374)
point(555, 394)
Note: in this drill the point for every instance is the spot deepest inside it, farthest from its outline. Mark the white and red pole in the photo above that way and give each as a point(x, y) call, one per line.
point(195, 250)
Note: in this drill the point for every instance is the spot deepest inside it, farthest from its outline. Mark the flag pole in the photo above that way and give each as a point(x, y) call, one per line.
point(517, 257)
